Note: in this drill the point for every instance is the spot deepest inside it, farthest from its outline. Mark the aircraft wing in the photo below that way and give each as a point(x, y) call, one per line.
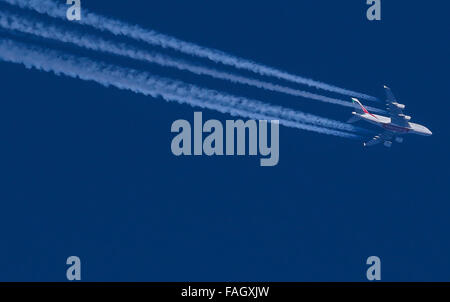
point(381, 138)
point(395, 109)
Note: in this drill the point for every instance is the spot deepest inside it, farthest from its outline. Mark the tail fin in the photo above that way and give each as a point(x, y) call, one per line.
point(360, 108)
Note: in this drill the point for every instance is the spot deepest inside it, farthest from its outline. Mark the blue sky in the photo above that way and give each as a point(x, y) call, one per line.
point(88, 171)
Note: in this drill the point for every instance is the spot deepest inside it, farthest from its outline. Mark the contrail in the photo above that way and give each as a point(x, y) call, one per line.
point(146, 84)
point(17, 23)
point(151, 37)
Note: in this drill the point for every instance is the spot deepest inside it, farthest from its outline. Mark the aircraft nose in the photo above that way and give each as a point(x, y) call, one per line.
point(428, 132)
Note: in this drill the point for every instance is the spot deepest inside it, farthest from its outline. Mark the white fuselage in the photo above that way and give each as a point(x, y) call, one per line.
point(385, 123)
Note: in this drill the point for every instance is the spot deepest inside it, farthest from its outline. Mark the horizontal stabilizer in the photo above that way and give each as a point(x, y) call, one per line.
point(353, 119)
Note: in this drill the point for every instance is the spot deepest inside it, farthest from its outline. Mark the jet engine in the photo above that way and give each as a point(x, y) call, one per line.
point(399, 140)
point(387, 144)
point(406, 117)
point(399, 106)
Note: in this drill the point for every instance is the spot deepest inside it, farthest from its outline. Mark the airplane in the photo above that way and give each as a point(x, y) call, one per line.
point(396, 125)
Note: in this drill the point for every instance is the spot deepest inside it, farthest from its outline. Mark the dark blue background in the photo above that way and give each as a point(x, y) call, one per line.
point(88, 171)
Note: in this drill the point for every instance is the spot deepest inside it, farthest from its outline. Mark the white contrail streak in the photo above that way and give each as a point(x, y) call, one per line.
point(136, 32)
point(146, 84)
point(17, 23)
point(14, 22)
